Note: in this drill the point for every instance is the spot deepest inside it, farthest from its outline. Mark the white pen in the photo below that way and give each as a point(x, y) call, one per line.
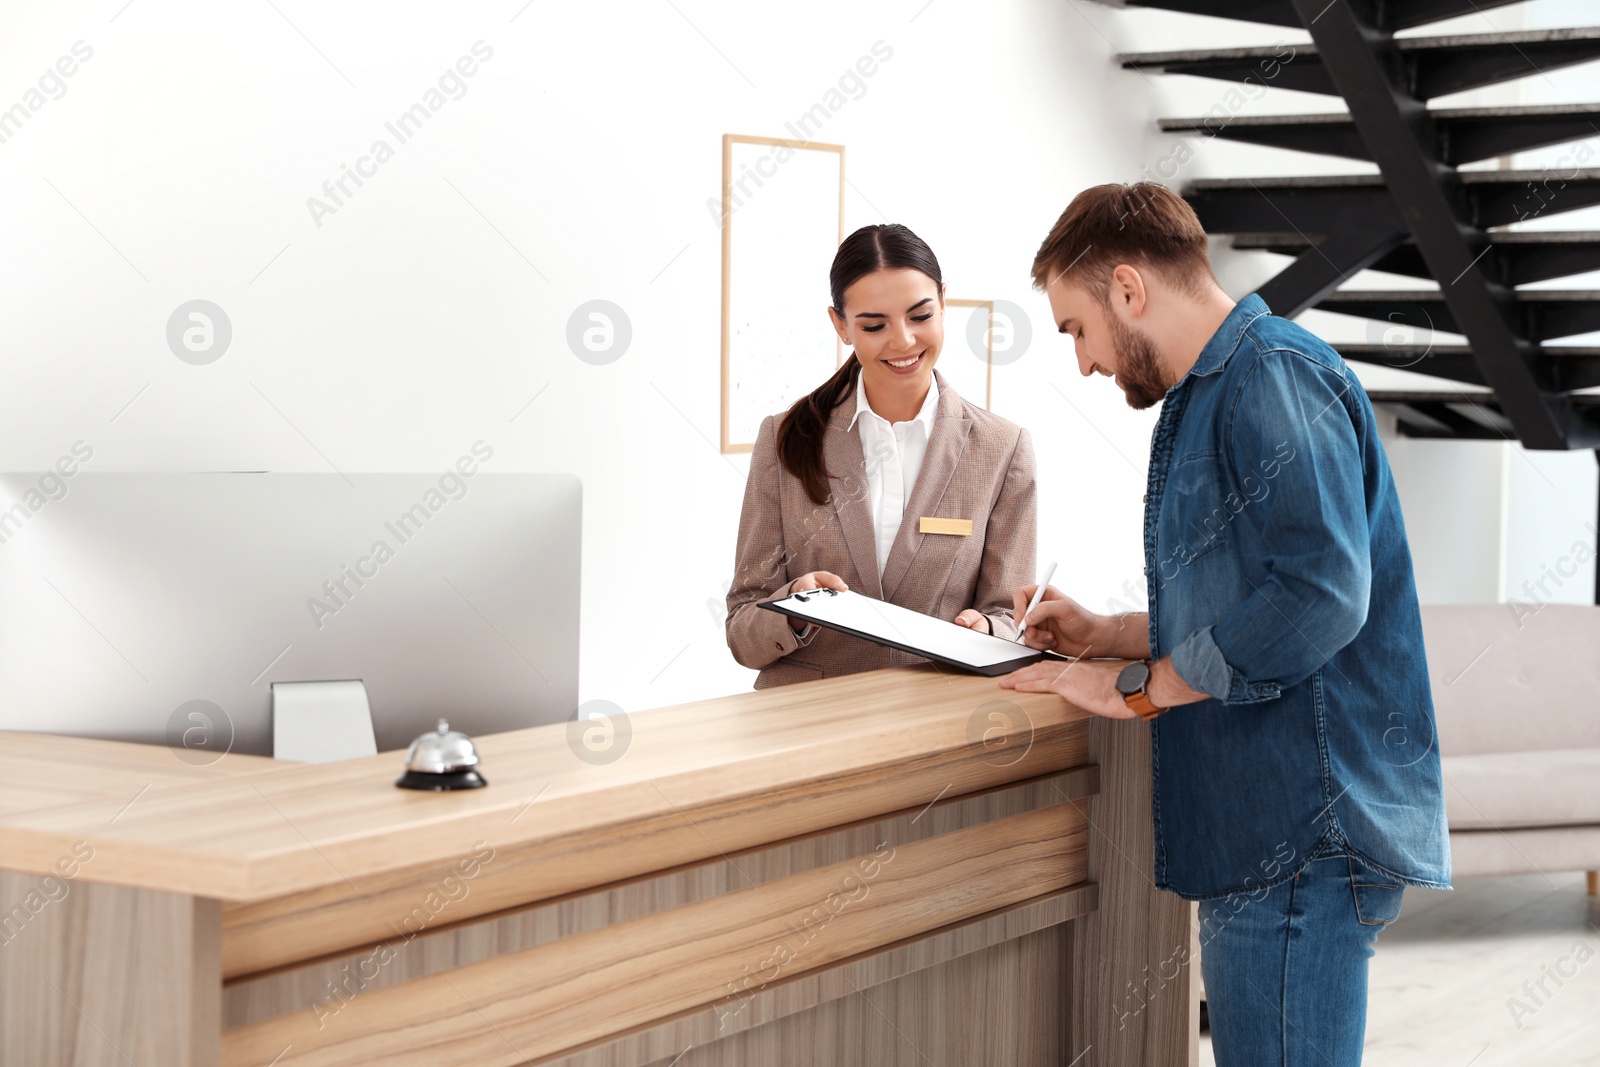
point(1038, 595)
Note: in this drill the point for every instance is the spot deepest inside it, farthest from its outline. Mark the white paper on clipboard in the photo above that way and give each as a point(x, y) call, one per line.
point(911, 631)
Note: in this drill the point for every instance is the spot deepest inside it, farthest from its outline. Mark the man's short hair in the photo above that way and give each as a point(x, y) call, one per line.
point(1143, 225)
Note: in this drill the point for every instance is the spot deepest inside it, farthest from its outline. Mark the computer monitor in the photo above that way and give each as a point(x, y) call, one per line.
point(125, 599)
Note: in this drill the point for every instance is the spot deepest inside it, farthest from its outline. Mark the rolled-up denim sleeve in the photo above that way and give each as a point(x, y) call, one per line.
point(1293, 433)
point(1201, 664)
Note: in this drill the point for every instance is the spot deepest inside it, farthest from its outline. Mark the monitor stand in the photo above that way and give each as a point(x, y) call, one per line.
point(320, 722)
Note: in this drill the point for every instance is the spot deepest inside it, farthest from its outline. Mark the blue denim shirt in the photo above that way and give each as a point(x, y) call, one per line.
point(1280, 582)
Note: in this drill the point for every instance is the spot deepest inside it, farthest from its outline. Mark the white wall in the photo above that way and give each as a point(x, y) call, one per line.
point(1550, 529)
point(1495, 522)
point(429, 309)
point(1453, 496)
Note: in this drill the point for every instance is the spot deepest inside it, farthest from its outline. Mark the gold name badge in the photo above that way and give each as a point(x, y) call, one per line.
point(959, 527)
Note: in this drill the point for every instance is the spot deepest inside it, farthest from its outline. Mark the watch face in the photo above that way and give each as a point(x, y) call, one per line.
point(1133, 679)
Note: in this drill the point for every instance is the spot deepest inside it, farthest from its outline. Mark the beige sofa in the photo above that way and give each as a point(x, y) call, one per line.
point(1517, 691)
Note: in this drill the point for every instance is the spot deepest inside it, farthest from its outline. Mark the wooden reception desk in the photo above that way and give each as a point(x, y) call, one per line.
point(902, 867)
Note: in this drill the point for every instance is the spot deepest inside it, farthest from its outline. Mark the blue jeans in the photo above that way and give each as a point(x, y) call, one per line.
point(1286, 967)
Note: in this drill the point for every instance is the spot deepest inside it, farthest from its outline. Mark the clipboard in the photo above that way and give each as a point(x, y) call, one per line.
point(910, 631)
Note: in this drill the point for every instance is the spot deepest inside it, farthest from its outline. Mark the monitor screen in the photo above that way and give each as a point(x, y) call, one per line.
point(129, 603)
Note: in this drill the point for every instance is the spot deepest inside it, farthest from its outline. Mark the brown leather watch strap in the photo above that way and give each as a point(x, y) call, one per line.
point(1142, 705)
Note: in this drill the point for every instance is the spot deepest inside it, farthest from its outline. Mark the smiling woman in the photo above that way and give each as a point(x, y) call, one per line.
point(846, 490)
point(876, 268)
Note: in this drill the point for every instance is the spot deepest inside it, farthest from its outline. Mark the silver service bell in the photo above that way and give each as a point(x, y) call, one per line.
point(442, 760)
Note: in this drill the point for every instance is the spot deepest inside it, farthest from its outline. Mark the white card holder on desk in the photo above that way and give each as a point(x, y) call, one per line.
point(910, 631)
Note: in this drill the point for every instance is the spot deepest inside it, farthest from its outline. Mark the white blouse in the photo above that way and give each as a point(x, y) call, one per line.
point(893, 454)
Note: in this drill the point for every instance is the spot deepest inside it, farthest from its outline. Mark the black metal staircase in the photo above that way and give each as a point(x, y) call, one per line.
point(1466, 135)
point(1428, 66)
point(1420, 216)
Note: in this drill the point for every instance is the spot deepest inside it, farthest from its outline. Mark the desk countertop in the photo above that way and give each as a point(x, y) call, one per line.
point(39, 771)
point(755, 767)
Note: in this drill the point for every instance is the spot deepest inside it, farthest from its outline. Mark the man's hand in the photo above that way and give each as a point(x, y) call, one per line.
point(1092, 685)
point(1087, 684)
point(1061, 625)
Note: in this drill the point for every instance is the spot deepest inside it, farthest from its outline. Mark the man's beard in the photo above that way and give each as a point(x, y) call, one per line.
point(1138, 365)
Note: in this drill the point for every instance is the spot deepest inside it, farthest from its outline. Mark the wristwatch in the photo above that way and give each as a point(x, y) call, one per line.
point(1131, 684)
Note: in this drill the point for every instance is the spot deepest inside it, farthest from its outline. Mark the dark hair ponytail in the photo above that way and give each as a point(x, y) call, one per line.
point(890, 246)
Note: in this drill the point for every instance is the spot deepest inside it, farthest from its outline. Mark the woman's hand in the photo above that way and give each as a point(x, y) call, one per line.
point(818, 580)
point(814, 580)
point(974, 619)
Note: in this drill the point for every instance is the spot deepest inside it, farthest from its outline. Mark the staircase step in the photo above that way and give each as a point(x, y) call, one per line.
point(1475, 133)
point(1502, 197)
point(1271, 12)
point(1448, 415)
point(1454, 362)
point(1546, 313)
point(1308, 207)
point(1458, 414)
point(1466, 135)
point(1313, 206)
point(1281, 66)
point(1521, 257)
point(1434, 66)
point(1330, 135)
point(1561, 366)
point(1477, 398)
point(1399, 14)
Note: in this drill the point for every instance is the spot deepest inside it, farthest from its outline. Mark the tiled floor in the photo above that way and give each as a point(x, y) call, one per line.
point(1447, 980)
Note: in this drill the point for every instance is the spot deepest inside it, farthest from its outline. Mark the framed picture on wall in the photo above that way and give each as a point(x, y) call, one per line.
point(782, 222)
point(967, 359)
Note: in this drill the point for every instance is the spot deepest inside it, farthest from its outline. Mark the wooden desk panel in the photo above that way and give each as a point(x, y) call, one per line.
point(658, 825)
point(540, 1001)
point(274, 867)
point(426, 944)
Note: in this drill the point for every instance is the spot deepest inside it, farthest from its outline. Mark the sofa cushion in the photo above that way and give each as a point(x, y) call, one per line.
point(1521, 789)
point(1514, 677)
